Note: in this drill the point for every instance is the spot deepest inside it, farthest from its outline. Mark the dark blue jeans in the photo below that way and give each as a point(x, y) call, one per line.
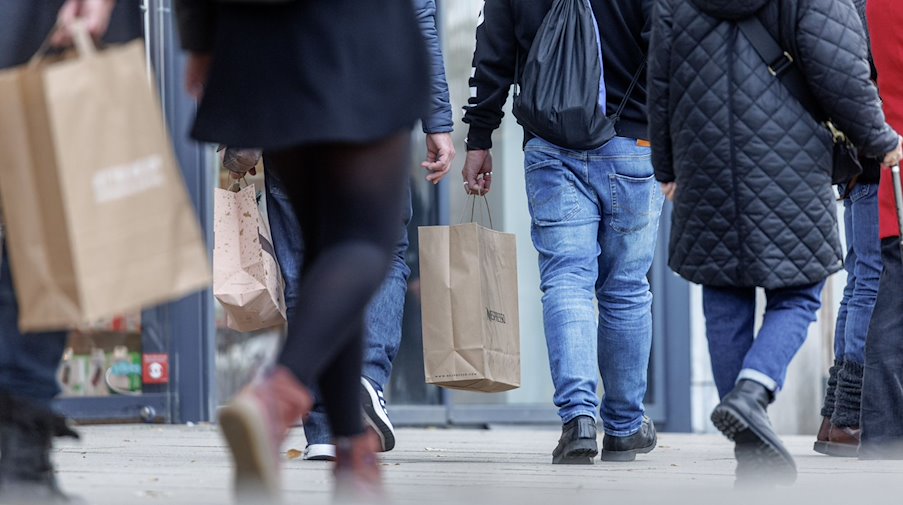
point(29, 362)
point(737, 352)
point(882, 385)
point(384, 315)
point(863, 265)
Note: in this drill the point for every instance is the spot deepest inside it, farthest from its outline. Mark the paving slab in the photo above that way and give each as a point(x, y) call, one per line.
point(142, 464)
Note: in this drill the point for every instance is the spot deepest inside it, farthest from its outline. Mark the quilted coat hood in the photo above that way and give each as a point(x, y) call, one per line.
point(729, 9)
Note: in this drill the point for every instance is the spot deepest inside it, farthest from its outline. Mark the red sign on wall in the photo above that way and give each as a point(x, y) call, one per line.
point(155, 369)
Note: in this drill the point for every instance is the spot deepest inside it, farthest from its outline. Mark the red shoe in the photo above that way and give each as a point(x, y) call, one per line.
point(358, 478)
point(255, 424)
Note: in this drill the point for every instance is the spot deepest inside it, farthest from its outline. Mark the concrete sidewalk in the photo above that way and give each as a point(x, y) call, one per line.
point(140, 464)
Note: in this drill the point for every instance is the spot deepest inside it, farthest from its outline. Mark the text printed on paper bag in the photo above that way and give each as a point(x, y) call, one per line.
point(494, 316)
point(122, 181)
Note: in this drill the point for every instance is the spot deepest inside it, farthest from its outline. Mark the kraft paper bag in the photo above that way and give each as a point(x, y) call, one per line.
point(98, 220)
point(471, 334)
point(246, 276)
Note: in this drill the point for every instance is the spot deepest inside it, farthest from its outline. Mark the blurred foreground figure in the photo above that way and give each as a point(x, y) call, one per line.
point(749, 169)
point(329, 91)
point(28, 363)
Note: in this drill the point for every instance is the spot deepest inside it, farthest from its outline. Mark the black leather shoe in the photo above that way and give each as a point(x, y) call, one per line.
point(742, 417)
point(626, 448)
point(577, 445)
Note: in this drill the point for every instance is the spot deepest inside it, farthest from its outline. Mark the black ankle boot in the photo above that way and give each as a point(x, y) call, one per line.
point(743, 418)
point(26, 437)
point(577, 445)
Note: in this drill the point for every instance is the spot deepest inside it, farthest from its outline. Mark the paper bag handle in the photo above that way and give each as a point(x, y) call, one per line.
point(84, 44)
point(473, 208)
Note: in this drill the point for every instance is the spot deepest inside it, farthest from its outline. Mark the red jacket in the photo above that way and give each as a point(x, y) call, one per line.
point(885, 18)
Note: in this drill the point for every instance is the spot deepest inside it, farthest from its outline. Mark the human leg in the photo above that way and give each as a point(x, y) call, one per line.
point(622, 177)
point(348, 202)
point(882, 387)
point(28, 384)
point(730, 328)
point(565, 221)
point(866, 265)
point(742, 414)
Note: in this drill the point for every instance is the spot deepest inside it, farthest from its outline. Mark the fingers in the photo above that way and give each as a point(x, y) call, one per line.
point(94, 14)
point(67, 15)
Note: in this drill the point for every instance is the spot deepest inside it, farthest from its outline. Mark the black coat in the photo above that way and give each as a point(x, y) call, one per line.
point(754, 204)
point(303, 72)
point(505, 34)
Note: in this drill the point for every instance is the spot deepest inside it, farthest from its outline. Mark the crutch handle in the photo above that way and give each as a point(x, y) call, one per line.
point(898, 197)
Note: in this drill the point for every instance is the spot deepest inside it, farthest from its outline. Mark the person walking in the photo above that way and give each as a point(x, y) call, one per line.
point(595, 217)
point(749, 171)
point(331, 104)
point(385, 313)
point(29, 362)
point(839, 432)
point(881, 420)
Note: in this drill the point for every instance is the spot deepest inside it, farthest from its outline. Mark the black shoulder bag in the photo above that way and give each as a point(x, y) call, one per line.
point(846, 165)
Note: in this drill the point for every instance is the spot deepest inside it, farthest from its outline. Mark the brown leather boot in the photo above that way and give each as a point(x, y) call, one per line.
point(255, 424)
point(843, 442)
point(822, 438)
point(358, 478)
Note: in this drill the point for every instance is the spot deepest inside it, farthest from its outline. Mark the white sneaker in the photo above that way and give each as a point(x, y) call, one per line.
point(319, 452)
point(376, 416)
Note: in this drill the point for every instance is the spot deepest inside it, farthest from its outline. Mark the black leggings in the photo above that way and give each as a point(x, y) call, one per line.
point(348, 199)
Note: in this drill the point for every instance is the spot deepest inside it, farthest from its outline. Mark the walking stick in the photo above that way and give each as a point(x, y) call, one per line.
point(898, 196)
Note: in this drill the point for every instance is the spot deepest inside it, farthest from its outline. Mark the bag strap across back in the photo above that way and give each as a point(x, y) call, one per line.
point(780, 63)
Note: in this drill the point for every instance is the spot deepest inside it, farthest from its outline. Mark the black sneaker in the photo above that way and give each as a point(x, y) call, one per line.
point(742, 418)
point(626, 448)
point(577, 445)
point(376, 416)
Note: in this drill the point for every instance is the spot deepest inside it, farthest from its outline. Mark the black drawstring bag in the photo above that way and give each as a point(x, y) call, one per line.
point(562, 89)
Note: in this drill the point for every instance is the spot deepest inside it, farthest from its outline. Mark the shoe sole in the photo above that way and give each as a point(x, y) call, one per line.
point(628, 456)
point(841, 450)
point(759, 453)
point(820, 447)
point(579, 452)
point(319, 452)
point(376, 418)
point(256, 472)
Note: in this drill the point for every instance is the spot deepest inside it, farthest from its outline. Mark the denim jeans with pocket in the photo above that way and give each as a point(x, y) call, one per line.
point(384, 315)
point(882, 384)
point(863, 265)
point(734, 348)
point(595, 221)
point(28, 362)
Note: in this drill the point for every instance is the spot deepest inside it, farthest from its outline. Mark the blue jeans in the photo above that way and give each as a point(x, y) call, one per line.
point(863, 265)
point(28, 363)
point(736, 352)
point(595, 223)
point(384, 315)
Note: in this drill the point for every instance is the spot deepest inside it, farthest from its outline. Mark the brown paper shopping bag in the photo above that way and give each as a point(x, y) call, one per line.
point(98, 217)
point(246, 276)
point(471, 335)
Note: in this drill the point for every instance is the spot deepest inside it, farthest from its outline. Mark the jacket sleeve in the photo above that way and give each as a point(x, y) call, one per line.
point(834, 57)
point(493, 72)
point(439, 118)
point(658, 89)
point(195, 21)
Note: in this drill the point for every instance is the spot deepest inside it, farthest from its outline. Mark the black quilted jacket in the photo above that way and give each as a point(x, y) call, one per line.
point(754, 202)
